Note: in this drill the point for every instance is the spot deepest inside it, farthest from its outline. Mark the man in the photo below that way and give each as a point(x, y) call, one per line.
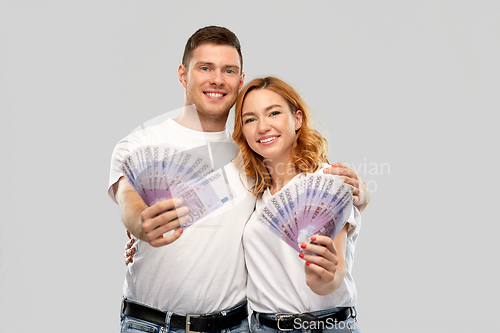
point(203, 271)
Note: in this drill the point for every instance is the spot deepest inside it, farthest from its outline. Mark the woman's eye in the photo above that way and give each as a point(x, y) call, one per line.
point(249, 120)
point(274, 113)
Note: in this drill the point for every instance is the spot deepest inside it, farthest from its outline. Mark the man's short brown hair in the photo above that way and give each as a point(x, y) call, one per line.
point(211, 34)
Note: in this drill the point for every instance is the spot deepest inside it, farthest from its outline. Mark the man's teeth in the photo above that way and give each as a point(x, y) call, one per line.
point(214, 94)
point(268, 139)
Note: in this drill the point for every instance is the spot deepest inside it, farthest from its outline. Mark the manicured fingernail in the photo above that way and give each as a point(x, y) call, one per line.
point(301, 255)
point(303, 246)
point(313, 239)
point(308, 264)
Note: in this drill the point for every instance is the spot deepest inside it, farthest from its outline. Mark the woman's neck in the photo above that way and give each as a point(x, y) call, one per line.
point(281, 173)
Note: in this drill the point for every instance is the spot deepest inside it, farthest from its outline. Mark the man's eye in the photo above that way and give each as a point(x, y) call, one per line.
point(230, 71)
point(205, 69)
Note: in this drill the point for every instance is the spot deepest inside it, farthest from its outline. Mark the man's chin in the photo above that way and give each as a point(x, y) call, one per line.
point(215, 113)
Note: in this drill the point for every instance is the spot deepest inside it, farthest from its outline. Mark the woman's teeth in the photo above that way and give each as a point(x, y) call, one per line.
point(268, 139)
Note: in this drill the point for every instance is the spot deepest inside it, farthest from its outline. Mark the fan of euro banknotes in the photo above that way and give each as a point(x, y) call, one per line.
point(314, 204)
point(160, 172)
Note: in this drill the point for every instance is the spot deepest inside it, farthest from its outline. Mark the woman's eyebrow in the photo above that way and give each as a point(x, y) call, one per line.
point(273, 106)
point(269, 108)
point(249, 113)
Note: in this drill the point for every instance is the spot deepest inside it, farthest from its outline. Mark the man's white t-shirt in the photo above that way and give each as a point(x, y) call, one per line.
point(204, 270)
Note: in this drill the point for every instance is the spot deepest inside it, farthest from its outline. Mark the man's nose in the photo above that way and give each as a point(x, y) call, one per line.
point(217, 78)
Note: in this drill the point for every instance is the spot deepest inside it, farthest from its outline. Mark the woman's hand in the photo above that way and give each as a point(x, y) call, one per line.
point(320, 269)
point(326, 270)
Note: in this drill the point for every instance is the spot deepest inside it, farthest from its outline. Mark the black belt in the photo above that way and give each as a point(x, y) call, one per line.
point(197, 323)
point(294, 321)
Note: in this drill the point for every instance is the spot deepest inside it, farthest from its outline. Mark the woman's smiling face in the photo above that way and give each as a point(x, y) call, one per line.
point(269, 125)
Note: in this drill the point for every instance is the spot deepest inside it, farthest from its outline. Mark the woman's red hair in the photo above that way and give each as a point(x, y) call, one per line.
point(309, 150)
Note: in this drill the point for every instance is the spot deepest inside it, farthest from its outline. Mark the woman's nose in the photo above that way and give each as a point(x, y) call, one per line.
point(263, 126)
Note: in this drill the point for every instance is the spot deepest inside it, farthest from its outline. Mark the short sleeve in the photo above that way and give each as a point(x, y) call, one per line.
point(122, 148)
point(354, 222)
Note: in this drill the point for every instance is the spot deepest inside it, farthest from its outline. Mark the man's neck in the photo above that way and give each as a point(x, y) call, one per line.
point(191, 119)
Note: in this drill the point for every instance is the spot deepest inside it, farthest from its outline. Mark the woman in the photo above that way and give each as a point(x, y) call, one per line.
point(277, 143)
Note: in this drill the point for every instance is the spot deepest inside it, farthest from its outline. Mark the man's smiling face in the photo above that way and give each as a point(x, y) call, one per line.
point(212, 80)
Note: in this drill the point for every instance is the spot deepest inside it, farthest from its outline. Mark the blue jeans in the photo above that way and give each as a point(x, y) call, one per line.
point(350, 325)
point(134, 325)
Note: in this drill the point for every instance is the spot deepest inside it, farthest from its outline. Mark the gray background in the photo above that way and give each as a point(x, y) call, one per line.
point(404, 90)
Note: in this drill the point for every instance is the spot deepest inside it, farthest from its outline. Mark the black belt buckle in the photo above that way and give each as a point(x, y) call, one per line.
point(278, 323)
point(204, 324)
point(188, 322)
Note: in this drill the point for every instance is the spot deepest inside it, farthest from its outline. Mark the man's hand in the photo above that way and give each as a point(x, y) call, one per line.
point(149, 224)
point(360, 192)
point(161, 218)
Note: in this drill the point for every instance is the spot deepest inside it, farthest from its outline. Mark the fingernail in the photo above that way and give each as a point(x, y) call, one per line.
point(303, 246)
point(308, 264)
point(177, 201)
point(313, 239)
point(301, 255)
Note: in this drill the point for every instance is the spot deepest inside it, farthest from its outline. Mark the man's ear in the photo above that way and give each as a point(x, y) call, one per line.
point(242, 80)
point(182, 74)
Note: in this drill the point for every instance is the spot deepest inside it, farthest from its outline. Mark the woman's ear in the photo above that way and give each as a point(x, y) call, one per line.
point(298, 119)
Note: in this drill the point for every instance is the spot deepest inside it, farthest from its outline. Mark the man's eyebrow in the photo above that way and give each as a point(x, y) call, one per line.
point(208, 63)
point(204, 63)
